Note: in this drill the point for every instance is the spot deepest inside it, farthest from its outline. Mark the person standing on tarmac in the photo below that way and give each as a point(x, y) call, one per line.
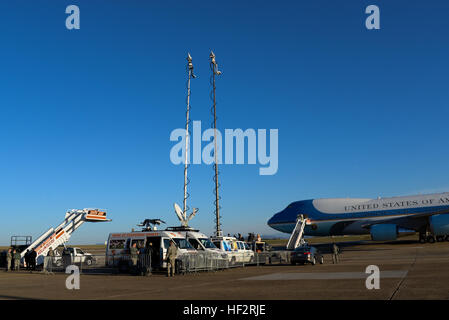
point(8, 260)
point(17, 258)
point(66, 257)
point(335, 252)
point(148, 256)
point(27, 259)
point(134, 255)
point(33, 256)
point(49, 260)
point(172, 253)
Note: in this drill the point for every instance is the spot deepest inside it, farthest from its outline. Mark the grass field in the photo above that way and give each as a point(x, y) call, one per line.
point(272, 242)
point(88, 247)
point(314, 240)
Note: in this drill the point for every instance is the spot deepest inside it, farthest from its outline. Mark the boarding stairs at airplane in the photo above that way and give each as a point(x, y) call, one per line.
point(55, 237)
point(297, 236)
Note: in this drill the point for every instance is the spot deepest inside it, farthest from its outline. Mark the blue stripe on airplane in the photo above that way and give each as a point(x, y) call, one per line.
point(306, 207)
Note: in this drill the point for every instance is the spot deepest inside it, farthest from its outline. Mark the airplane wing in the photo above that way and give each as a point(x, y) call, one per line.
point(411, 221)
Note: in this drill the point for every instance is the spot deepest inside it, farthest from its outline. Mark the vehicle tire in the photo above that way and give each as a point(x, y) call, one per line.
point(447, 238)
point(422, 239)
point(440, 238)
point(313, 261)
point(321, 260)
point(89, 261)
point(431, 239)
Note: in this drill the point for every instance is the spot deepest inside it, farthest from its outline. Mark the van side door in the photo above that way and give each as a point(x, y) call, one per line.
point(166, 245)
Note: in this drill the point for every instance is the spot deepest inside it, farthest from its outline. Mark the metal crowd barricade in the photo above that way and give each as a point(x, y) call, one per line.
point(192, 262)
point(144, 264)
point(201, 261)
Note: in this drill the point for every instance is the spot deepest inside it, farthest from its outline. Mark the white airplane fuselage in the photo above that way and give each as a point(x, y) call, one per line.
point(350, 216)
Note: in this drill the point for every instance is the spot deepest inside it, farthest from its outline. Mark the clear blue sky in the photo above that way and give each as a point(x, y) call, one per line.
point(86, 114)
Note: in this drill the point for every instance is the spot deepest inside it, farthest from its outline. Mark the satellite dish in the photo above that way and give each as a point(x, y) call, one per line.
point(179, 212)
point(182, 217)
point(194, 211)
point(148, 222)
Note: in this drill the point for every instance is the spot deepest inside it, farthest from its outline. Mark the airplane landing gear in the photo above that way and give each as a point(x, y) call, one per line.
point(430, 238)
point(422, 238)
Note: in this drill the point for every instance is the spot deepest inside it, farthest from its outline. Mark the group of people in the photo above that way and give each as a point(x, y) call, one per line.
point(13, 257)
point(141, 258)
point(251, 237)
point(30, 259)
point(145, 255)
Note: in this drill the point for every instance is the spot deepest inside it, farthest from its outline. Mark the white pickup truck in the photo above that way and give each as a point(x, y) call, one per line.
point(77, 256)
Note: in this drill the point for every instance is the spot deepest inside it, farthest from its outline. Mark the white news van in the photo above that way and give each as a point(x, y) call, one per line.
point(118, 245)
point(200, 241)
point(238, 251)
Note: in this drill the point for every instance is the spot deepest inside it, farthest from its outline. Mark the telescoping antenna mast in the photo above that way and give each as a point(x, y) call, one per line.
point(186, 159)
point(215, 72)
point(182, 215)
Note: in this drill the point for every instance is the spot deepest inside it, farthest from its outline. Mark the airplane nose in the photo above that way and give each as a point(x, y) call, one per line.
point(274, 219)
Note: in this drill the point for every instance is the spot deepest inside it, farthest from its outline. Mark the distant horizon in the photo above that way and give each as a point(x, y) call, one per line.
point(87, 113)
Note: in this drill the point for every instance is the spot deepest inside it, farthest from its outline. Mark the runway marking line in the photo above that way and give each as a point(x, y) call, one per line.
point(327, 275)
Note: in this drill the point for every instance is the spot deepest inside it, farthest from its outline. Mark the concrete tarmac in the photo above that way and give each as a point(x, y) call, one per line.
point(409, 270)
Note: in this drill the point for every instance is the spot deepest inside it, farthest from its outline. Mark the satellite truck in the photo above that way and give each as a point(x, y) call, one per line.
point(119, 244)
point(189, 241)
point(55, 237)
point(198, 240)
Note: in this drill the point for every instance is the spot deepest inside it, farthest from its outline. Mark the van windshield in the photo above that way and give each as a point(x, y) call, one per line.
point(183, 244)
point(207, 243)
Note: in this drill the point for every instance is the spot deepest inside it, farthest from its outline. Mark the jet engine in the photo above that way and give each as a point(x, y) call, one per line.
point(439, 224)
point(384, 232)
